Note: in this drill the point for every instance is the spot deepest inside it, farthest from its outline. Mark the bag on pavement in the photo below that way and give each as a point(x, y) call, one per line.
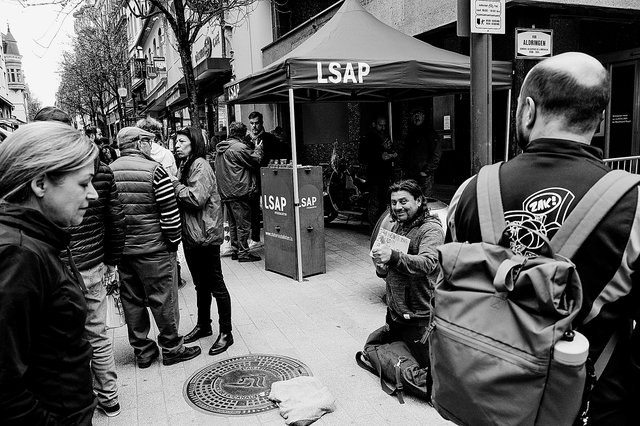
point(394, 365)
point(497, 317)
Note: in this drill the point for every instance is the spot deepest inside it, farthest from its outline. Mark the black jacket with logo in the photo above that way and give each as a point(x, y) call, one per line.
point(539, 189)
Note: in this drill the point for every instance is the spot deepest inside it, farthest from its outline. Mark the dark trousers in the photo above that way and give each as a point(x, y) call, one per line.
point(411, 335)
point(254, 202)
point(239, 217)
point(206, 271)
point(149, 280)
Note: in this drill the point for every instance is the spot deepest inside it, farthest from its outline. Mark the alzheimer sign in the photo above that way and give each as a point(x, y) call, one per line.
point(534, 43)
point(335, 72)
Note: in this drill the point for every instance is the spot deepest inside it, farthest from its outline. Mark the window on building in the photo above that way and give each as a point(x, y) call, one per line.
point(288, 14)
point(160, 42)
point(12, 75)
point(155, 48)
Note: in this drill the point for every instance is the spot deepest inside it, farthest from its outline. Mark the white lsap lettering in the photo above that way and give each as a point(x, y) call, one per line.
point(308, 201)
point(350, 75)
point(274, 203)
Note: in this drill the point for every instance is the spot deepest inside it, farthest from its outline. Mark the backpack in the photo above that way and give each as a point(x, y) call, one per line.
point(497, 317)
point(394, 364)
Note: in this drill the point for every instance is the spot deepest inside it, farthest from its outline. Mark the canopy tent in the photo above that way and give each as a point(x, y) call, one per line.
point(355, 57)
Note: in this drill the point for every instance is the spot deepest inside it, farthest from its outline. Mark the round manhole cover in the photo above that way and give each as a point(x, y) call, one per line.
point(240, 385)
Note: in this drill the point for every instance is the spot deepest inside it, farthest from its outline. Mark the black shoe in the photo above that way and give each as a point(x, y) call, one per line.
point(250, 257)
point(147, 363)
point(222, 343)
point(234, 256)
point(188, 353)
point(197, 333)
point(110, 411)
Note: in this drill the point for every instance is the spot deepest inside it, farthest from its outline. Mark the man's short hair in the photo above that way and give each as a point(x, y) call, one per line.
point(237, 130)
point(558, 93)
point(51, 113)
point(152, 125)
point(255, 114)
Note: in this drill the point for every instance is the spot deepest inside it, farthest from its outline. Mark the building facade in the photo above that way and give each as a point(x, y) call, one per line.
point(608, 30)
point(14, 77)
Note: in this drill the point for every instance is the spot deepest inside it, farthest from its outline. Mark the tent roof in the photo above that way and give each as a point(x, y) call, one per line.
point(355, 57)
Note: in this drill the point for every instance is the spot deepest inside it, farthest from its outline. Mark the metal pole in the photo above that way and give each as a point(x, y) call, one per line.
point(481, 101)
point(296, 195)
point(506, 137)
point(390, 121)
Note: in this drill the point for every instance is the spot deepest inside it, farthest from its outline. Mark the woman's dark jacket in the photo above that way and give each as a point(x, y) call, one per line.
point(44, 359)
point(100, 236)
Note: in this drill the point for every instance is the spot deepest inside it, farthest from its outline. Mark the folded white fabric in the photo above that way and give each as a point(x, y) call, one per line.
point(302, 400)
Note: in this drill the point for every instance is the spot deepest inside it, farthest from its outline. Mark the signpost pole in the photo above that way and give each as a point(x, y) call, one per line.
point(481, 101)
point(296, 193)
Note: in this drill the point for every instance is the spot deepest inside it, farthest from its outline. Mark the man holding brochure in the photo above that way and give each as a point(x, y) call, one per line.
point(407, 259)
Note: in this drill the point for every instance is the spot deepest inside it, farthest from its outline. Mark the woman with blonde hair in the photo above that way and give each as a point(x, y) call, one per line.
point(45, 185)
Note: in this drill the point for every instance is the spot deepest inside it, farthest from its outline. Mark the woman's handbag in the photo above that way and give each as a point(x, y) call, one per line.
point(115, 312)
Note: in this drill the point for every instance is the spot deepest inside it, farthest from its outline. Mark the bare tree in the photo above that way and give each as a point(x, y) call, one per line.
point(186, 18)
point(97, 66)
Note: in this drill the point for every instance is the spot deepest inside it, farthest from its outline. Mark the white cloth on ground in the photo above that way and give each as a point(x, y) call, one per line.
point(302, 400)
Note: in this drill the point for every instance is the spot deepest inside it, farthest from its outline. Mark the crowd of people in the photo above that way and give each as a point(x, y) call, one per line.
point(68, 220)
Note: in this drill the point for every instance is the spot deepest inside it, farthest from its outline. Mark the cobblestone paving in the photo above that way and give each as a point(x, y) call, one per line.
point(322, 322)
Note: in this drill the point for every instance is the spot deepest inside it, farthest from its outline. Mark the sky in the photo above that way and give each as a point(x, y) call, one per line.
point(42, 33)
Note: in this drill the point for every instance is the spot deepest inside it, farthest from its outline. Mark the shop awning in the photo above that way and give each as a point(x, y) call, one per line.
point(355, 57)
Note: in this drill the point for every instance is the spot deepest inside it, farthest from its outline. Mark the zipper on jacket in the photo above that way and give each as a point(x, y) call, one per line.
point(514, 356)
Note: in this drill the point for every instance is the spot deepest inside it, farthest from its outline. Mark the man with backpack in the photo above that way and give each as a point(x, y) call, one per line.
point(561, 104)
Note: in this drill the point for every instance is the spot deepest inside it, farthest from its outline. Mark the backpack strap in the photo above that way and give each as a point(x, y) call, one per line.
point(591, 209)
point(490, 212)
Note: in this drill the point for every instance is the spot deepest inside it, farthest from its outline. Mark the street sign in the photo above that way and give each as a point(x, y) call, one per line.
point(487, 16)
point(533, 43)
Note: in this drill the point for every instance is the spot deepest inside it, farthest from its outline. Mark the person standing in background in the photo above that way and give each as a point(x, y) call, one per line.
point(148, 269)
point(422, 151)
point(236, 168)
point(202, 233)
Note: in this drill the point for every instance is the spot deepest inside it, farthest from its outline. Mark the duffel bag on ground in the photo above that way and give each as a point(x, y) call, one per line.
point(394, 364)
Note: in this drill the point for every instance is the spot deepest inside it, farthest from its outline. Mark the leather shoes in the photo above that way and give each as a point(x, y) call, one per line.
point(187, 354)
point(197, 333)
point(222, 343)
point(146, 363)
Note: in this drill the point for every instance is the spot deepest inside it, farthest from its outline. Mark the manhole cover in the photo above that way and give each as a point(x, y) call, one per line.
point(240, 385)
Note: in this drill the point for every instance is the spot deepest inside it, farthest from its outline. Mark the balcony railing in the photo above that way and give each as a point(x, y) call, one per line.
point(630, 164)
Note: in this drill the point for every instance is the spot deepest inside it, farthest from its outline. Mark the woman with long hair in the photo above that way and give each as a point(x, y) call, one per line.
point(46, 170)
point(202, 234)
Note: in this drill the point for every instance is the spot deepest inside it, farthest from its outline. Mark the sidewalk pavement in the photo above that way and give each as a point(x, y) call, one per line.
point(322, 322)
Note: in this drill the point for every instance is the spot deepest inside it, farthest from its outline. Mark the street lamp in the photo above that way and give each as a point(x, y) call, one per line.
point(122, 92)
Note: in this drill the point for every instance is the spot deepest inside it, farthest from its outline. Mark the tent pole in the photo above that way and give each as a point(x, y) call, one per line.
point(296, 195)
point(506, 138)
point(390, 121)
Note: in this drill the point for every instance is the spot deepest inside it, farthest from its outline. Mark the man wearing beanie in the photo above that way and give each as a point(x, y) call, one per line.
point(147, 269)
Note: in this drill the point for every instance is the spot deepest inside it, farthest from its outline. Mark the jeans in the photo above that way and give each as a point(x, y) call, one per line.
point(149, 280)
point(411, 335)
point(239, 217)
point(206, 270)
point(103, 366)
point(254, 202)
